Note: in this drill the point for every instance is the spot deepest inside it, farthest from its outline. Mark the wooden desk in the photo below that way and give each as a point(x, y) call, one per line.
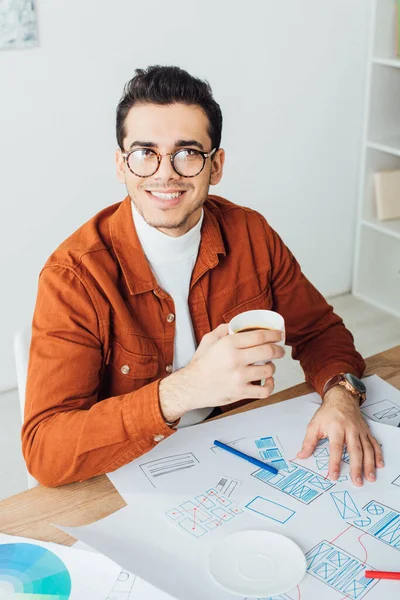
point(30, 513)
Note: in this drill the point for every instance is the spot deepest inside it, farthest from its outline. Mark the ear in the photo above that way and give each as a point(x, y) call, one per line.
point(217, 166)
point(120, 163)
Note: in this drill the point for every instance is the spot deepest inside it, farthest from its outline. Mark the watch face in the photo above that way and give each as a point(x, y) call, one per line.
point(356, 383)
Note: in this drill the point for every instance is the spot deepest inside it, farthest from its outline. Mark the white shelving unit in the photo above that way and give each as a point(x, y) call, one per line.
point(377, 256)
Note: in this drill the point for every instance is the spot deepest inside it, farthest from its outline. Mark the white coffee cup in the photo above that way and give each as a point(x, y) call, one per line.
point(258, 319)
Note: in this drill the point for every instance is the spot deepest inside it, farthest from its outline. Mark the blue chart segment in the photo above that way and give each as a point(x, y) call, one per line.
point(297, 482)
point(270, 451)
point(345, 505)
point(382, 522)
point(339, 570)
point(34, 572)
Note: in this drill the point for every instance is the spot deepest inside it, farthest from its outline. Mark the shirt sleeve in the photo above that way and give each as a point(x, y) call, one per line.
point(67, 434)
point(319, 339)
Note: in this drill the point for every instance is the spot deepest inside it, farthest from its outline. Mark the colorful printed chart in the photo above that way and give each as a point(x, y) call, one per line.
point(29, 572)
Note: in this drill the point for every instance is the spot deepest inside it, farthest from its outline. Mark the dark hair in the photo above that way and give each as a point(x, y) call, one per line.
point(167, 85)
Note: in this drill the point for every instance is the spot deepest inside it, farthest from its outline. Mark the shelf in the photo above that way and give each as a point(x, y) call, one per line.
point(391, 227)
point(387, 62)
point(391, 145)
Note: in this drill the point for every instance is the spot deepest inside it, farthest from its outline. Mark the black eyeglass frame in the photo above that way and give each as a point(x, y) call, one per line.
point(171, 155)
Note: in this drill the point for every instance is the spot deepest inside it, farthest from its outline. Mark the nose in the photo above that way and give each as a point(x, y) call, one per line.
point(165, 170)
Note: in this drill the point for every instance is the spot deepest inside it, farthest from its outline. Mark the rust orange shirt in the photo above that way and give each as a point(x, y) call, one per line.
point(101, 339)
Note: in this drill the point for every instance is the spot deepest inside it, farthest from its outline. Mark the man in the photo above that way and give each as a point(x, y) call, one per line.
point(130, 328)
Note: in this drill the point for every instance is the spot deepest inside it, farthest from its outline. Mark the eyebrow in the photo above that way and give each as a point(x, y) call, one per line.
point(178, 144)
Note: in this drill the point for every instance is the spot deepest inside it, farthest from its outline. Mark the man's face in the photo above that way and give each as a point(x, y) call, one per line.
point(169, 128)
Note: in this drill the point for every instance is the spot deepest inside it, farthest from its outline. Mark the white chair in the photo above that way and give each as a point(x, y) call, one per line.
point(22, 342)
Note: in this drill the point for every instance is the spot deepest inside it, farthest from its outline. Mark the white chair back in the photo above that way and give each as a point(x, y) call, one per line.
point(22, 342)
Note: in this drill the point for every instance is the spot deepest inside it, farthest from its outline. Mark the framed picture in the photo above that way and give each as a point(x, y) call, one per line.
point(18, 28)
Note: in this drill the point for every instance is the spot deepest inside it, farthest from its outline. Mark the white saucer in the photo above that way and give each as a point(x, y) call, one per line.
point(257, 563)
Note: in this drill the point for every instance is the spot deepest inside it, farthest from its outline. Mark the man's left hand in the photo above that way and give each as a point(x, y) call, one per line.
point(339, 419)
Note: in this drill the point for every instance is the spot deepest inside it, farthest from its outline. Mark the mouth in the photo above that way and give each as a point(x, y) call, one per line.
point(166, 199)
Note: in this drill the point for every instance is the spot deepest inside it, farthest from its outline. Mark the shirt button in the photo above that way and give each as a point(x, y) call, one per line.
point(158, 438)
point(170, 317)
point(125, 369)
point(168, 368)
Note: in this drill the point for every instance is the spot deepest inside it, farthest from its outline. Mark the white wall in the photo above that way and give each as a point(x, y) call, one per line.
point(290, 80)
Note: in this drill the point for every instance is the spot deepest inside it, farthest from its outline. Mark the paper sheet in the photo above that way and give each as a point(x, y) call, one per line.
point(175, 516)
point(56, 571)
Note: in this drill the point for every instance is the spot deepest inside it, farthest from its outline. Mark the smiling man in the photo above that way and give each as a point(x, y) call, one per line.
point(130, 337)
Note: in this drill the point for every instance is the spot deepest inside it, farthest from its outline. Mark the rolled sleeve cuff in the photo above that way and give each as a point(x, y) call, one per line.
point(319, 380)
point(143, 418)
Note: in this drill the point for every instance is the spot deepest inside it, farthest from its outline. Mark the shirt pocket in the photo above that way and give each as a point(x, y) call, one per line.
point(128, 370)
point(262, 301)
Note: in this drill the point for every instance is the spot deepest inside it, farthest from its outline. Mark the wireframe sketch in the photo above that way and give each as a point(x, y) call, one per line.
point(123, 587)
point(169, 464)
point(345, 505)
point(271, 510)
point(396, 481)
point(382, 522)
point(17, 24)
point(271, 451)
point(227, 485)
point(319, 461)
point(298, 482)
point(384, 411)
point(339, 570)
point(216, 449)
point(204, 513)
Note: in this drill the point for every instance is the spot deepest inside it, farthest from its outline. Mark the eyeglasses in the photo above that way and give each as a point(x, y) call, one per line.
point(144, 162)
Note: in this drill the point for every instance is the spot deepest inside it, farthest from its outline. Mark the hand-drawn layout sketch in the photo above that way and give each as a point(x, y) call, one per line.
point(382, 522)
point(300, 483)
point(280, 597)
point(204, 513)
point(345, 505)
point(123, 587)
point(338, 569)
point(396, 481)
point(271, 451)
point(227, 485)
point(319, 461)
point(17, 24)
point(271, 510)
point(169, 464)
point(216, 449)
point(384, 411)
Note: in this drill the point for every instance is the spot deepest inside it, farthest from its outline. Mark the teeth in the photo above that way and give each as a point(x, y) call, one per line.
point(166, 196)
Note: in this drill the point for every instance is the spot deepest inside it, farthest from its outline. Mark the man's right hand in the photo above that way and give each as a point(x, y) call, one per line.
point(222, 371)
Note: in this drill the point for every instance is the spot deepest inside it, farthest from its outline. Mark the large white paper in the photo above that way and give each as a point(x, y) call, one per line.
point(56, 571)
point(175, 516)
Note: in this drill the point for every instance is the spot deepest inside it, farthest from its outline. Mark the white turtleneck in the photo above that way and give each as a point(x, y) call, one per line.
point(172, 260)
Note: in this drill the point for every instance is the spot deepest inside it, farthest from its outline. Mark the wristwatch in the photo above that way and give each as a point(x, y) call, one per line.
point(350, 382)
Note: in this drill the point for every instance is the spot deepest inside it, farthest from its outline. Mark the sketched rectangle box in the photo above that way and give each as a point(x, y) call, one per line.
point(271, 510)
point(168, 464)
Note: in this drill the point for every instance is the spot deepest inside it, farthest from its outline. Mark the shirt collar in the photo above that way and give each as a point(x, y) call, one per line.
point(131, 257)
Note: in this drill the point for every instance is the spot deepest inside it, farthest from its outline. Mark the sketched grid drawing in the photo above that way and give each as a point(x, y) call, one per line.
point(382, 522)
point(18, 27)
point(272, 510)
point(204, 513)
point(339, 570)
point(168, 464)
point(271, 451)
point(123, 587)
point(345, 505)
point(384, 411)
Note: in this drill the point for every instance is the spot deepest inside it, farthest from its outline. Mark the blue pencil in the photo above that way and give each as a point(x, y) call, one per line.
point(254, 461)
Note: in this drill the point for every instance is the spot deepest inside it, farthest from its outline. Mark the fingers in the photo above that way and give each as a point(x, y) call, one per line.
point(310, 441)
point(369, 459)
point(257, 337)
point(379, 462)
point(220, 331)
point(258, 391)
point(264, 352)
point(336, 442)
point(256, 373)
point(356, 452)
